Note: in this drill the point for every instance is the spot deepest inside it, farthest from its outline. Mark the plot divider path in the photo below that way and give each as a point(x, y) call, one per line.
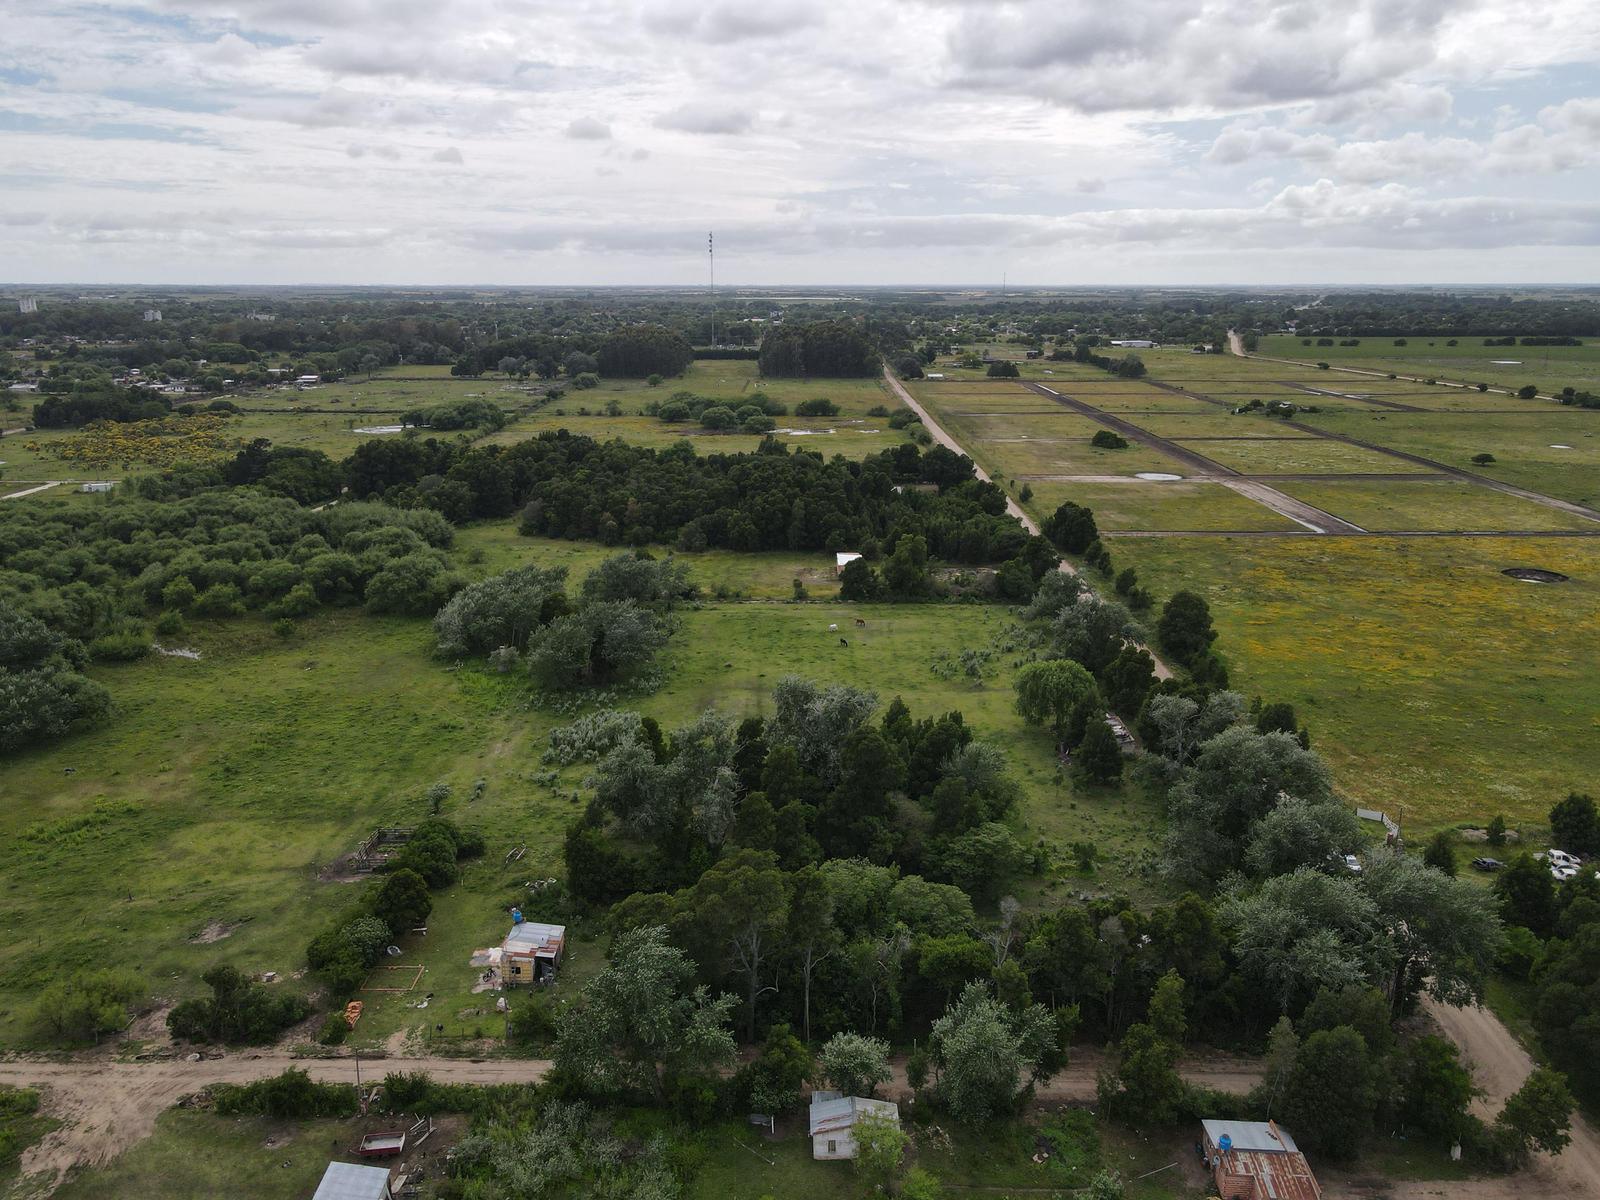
point(1163, 671)
point(1298, 511)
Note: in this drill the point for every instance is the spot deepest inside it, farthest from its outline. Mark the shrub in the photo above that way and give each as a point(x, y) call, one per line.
point(126, 645)
point(290, 1096)
point(218, 600)
point(820, 406)
point(81, 1008)
point(334, 1030)
point(170, 624)
point(1107, 439)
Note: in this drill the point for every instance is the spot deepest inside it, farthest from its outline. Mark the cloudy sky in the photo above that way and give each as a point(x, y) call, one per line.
point(867, 141)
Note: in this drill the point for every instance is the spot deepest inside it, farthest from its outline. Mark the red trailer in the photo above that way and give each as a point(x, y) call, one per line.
point(382, 1145)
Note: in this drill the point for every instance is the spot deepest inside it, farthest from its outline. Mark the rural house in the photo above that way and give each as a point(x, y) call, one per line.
point(531, 953)
point(348, 1181)
point(1256, 1160)
point(833, 1121)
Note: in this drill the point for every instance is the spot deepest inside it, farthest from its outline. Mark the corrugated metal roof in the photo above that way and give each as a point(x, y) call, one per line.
point(1251, 1135)
point(841, 1112)
point(350, 1181)
point(529, 937)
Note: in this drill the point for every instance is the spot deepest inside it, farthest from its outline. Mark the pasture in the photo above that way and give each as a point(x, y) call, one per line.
point(195, 826)
point(1550, 368)
point(1429, 680)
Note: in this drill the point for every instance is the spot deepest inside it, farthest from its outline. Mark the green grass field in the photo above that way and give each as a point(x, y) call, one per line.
point(1555, 451)
point(1138, 505)
point(1441, 505)
point(1429, 680)
point(222, 786)
point(1550, 368)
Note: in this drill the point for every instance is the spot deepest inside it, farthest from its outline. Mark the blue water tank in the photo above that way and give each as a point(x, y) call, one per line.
point(516, 916)
point(1224, 1143)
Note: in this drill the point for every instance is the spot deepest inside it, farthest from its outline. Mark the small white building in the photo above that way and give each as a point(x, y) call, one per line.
point(307, 380)
point(833, 1122)
point(842, 560)
point(350, 1181)
point(935, 375)
point(98, 485)
point(1135, 343)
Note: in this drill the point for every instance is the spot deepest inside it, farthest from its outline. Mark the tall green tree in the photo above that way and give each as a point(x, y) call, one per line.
point(640, 1019)
point(1049, 691)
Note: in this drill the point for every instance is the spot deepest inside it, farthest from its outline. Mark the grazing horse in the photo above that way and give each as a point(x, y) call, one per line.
point(860, 624)
point(842, 642)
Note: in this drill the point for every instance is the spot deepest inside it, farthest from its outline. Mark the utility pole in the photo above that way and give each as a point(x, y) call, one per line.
point(361, 1096)
point(711, 251)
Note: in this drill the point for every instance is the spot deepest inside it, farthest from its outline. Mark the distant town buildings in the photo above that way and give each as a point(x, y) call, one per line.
point(152, 314)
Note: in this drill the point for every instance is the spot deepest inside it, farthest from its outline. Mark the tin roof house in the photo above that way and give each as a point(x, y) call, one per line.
point(1257, 1160)
point(833, 1122)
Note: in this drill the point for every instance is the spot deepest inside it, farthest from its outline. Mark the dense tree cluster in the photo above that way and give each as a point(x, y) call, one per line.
point(614, 629)
point(642, 350)
point(818, 349)
point(93, 577)
point(43, 693)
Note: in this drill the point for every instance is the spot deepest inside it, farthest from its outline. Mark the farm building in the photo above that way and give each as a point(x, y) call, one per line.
point(1135, 343)
point(833, 1121)
point(842, 560)
point(347, 1181)
point(531, 952)
point(1256, 1160)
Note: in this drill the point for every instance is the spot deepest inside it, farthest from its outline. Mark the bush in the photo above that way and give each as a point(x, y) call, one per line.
point(81, 1008)
point(334, 1030)
point(218, 600)
point(170, 624)
point(1107, 439)
point(127, 645)
point(819, 406)
point(532, 1022)
point(239, 1011)
point(290, 1096)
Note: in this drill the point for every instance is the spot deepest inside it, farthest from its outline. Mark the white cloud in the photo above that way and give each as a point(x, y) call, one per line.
point(871, 140)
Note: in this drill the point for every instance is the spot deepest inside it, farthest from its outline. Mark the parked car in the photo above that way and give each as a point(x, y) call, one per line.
point(1562, 874)
point(1561, 858)
point(1352, 864)
point(1487, 864)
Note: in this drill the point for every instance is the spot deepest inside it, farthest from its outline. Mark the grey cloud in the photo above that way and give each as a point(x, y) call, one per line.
point(448, 155)
point(732, 20)
point(705, 118)
point(589, 129)
point(1169, 54)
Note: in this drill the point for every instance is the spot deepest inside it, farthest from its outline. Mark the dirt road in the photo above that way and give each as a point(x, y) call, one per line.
point(1499, 1066)
point(107, 1107)
point(1163, 671)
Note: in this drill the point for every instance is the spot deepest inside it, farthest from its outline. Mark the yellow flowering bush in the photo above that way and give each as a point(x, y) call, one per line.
point(160, 442)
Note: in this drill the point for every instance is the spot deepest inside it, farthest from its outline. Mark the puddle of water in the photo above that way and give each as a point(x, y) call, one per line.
point(1559, 446)
point(804, 432)
point(379, 429)
point(1506, 362)
point(1158, 477)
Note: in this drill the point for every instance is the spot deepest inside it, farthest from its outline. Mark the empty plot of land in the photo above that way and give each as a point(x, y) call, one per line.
point(1215, 424)
point(1422, 671)
point(1146, 399)
point(1292, 457)
point(1138, 505)
point(1445, 505)
point(1556, 452)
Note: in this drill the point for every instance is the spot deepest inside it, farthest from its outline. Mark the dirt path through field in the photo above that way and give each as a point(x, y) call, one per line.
point(1163, 671)
point(1499, 1066)
point(108, 1107)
